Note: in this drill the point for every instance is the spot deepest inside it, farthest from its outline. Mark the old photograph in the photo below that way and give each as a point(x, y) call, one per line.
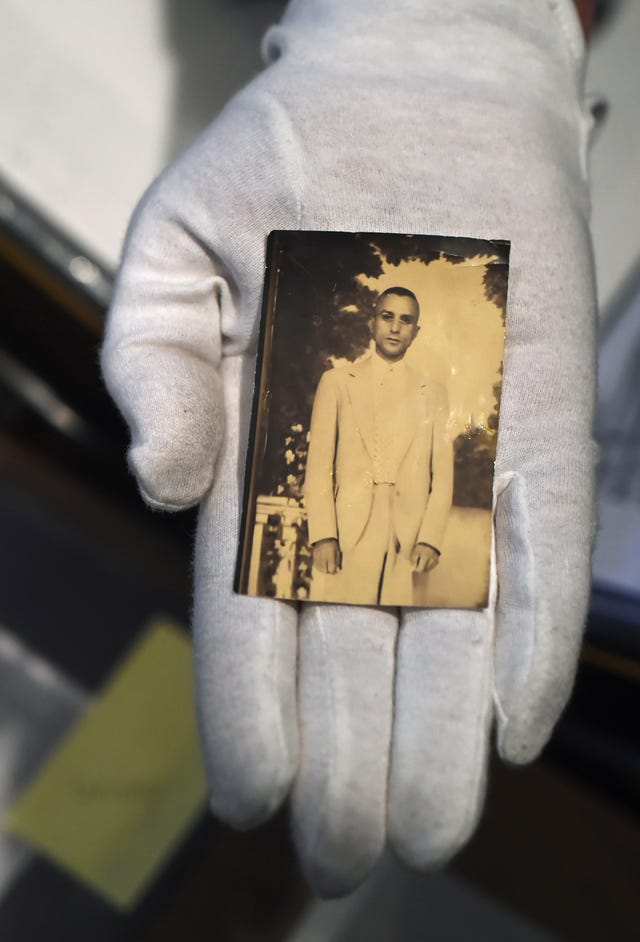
point(371, 456)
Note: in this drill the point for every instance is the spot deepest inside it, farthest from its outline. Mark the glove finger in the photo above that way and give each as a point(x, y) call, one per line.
point(543, 565)
point(189, 289)
point(161, 355)
point(442, 718)
point(245, 649)
point(346, 664)
point(544, 473)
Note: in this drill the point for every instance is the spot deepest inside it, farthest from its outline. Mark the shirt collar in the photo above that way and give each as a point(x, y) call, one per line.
point(382, 367)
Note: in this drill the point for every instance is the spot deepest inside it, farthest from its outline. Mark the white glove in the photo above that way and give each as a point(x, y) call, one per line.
point(460, 118)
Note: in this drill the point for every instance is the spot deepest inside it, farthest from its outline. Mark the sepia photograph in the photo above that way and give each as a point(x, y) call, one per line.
point(374, 430)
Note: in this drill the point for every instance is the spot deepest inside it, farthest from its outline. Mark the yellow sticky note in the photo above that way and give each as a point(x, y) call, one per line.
point(119, 793)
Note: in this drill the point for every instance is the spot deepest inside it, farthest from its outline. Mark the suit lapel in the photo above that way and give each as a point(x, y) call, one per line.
point(359, 392)
point(415, 412)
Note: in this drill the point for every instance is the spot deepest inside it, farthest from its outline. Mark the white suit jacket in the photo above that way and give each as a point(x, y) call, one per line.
point(339, 482)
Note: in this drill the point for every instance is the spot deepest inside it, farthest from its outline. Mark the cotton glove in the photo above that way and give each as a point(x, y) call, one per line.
point(463, 118)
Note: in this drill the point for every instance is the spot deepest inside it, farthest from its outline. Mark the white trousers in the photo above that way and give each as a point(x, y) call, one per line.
point(373, 572)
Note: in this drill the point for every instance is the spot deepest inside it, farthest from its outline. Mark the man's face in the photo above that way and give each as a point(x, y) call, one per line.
point(394, 326)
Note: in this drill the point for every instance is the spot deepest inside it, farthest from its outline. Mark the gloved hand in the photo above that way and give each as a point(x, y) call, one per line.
point(459, 118)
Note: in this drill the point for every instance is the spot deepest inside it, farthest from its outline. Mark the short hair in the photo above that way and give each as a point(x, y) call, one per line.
point(401, 292)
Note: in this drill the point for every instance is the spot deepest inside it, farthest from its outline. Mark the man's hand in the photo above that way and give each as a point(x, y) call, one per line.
point(423, 558)
point(327, 556)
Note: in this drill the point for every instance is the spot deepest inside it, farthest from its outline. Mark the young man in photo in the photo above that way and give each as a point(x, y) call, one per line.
point(379, 475)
